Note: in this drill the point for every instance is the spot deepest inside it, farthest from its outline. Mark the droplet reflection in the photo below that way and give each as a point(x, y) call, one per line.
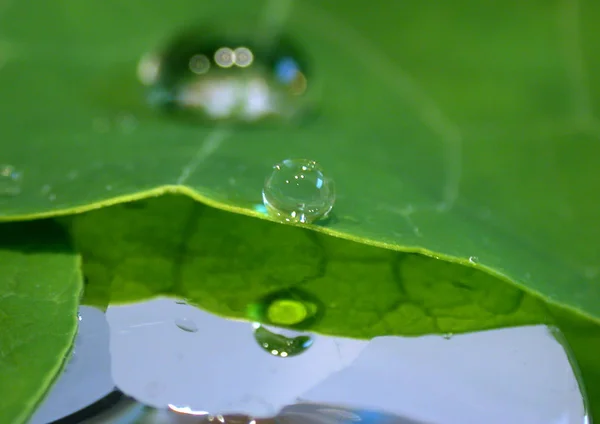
point(186, 324)
point(291, 308)
point(225, 78)
point(281, 342)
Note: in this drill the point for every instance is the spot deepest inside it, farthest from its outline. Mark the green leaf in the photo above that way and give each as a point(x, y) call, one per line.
point(224, 262)
point(40, 285)
point(581, 339)
point(460, 129)
point(453, 129)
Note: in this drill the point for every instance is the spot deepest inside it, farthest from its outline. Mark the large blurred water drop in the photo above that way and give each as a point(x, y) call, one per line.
point(225, 78)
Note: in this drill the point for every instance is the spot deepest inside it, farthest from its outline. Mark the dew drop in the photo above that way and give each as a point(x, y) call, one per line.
point(447, 336)
point(10, 180)
point(225, 78)
point(280, 342)
point(186, 324)
point(473, 259)
point(291, 308)
point(71, 359)
point(79, 318)
point(298, 191)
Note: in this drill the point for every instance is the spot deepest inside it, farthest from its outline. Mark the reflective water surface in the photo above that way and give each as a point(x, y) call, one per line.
point(518, 375)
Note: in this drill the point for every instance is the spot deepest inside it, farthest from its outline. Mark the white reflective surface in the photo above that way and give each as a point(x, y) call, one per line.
point(518, 375)
point(87, 377)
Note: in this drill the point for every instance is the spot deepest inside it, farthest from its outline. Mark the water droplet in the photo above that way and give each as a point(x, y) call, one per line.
point(108, 187)
point(473, 259)
point(298, 191)
point(10, 180)
point(447, 336)
point(71, 359)
point(199, 64)
point(186, 324)
point(181, 302)
point(282, 343)
point(291, 308)
point(225, 77)
point(79, 316)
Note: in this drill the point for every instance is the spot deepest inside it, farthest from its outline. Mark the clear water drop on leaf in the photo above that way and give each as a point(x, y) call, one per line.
point(298, 191)
point(473, 259)
point(186, 324)
point(224, 77)
point(280, 342)
point(292, 308)
point(10, 180)
point(447, 336)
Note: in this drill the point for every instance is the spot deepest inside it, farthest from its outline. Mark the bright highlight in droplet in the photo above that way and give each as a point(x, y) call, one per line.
point(199, 64)
point(243, 57)
point(224, 57)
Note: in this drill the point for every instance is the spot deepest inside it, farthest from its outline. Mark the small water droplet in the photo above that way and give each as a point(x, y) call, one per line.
point(225, 78)
point(79, 316)
point(71, 359)
point(473, 259)
point(186, 324)
point(181, 302)
point(447, 336)
point(108, 187)
point(280, 342)
point(291, 308)
point(10, 180)
point(298, 191)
